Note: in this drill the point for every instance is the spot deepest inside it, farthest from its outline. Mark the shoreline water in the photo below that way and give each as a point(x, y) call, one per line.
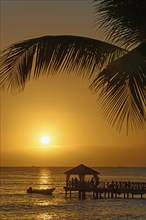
point(14, 198)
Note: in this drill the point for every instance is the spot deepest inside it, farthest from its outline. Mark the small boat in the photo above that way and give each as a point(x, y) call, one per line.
point(41, 191)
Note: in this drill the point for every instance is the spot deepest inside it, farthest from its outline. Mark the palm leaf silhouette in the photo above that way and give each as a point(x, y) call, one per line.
point(117, 70)
point(123, 21)
point(52, 54)
point(122, 85)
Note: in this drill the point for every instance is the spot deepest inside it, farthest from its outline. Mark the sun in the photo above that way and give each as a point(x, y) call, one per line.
point(45, 139)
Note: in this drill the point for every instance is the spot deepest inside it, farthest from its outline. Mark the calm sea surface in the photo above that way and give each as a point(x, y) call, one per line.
point(17, 204)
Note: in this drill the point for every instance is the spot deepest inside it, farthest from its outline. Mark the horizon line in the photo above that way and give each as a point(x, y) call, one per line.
point(55, 166)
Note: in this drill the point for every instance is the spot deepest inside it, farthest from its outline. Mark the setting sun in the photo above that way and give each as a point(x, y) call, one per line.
point(45, 139)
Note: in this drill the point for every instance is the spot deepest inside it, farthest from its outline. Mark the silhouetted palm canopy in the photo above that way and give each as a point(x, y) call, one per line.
point(116, 67)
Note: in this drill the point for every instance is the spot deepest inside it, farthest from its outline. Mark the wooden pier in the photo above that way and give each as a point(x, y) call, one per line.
point(113, 189)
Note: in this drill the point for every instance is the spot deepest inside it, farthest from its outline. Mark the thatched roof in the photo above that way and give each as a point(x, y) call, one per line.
point(81, 170)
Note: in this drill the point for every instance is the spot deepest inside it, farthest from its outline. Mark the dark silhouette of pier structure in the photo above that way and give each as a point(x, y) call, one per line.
point(112, 189)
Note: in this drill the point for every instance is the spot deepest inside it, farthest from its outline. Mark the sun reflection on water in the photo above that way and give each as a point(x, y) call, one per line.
point(45, 179)
point(45, 216)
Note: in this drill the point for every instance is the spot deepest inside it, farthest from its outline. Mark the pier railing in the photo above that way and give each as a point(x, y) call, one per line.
point(107, 189)
point(122, 185)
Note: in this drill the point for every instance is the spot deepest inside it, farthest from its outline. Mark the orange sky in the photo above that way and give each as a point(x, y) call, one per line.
point(60, 107)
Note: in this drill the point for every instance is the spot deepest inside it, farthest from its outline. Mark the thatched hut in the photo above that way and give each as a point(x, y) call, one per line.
point(81, 172)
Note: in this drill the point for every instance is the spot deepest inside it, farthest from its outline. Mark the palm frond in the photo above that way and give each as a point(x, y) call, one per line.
point(123, 95)
point(51, 54)
point(122, 21)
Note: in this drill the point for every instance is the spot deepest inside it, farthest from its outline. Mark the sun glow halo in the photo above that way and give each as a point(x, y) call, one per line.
point(45, 139)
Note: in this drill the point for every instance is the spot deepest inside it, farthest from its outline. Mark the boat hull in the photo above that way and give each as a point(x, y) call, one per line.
point(41, 191)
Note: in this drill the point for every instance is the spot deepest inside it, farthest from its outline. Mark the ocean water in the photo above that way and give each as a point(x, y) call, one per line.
point(17, 204)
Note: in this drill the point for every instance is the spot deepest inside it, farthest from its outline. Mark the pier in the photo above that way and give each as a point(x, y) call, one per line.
point(113, 189)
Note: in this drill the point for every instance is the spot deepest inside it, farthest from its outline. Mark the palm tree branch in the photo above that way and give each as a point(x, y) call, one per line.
point(51, 54)
point(122, 89)
point(122, 21)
